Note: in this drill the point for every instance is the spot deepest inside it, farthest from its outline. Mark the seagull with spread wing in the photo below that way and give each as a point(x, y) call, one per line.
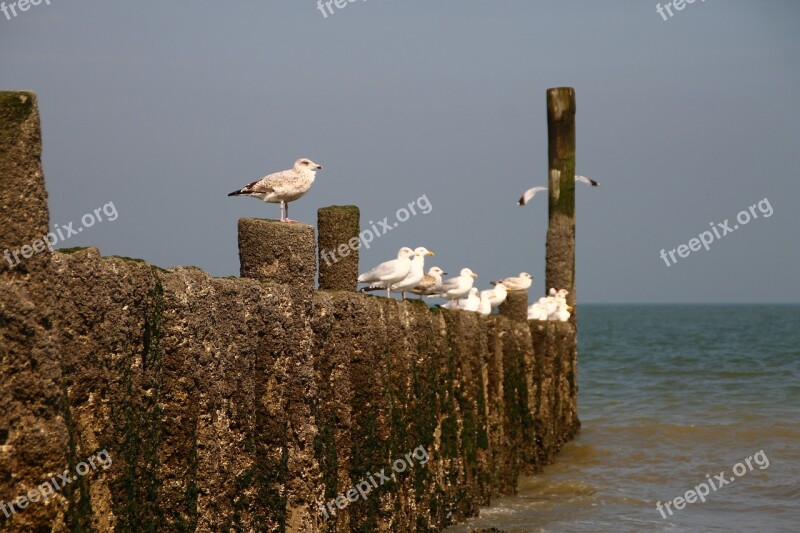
point(530, 193)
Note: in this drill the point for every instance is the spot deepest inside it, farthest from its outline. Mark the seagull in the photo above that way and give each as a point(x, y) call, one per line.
point(530, 193)
point(587, 181)
point(455, 288)
point(389, 272)
point(414, 276)
point(516, 284)
point(486, 302)
point(283, 187)
point(472, 302)
point(431, 282)
point(498, 295)
point(537, 311)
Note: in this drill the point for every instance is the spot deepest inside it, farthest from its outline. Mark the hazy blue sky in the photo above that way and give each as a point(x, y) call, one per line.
point(165, 107)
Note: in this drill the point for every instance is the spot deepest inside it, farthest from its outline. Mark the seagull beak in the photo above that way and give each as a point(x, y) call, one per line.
point(430, 253)
point(319, 167)
point(445, 274)
point(474, 275)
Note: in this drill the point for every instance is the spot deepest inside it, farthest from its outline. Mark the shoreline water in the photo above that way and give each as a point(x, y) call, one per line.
point(669, 394)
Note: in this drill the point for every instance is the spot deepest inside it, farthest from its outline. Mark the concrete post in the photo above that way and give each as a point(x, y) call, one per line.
point(338, 228)
point(23, 198)
point(516, 305)
point(277, 252)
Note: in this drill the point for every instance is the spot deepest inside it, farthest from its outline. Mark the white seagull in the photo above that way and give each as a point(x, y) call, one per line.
point(415, 274)
point(498, 295)
point(455, 288)
point(283, 187)
point(389, 272)
point(528, 195)
point(520, 283)
point(586, 180)
point(464, 304)
point(486, 303)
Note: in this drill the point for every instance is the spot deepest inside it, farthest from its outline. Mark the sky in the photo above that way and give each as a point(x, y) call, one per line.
point(163, 108)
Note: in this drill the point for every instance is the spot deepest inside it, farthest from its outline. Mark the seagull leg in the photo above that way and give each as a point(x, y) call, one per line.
point(282, 217)
point(287, 214)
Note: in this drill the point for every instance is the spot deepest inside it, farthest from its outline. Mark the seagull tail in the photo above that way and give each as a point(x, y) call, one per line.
point(372, 288)
point(236, 193)
point(594, 183)
point(521, 200)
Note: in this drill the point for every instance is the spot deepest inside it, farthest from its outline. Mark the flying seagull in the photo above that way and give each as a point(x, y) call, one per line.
point(587, 181)
point(530, 193)
point(283, 187)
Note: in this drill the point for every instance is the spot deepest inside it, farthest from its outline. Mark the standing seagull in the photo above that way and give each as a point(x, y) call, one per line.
point(283, 187)
point(530, 193)
point(458, 287)
point(389, 272)
point(414, 276)
point(431, 282)
point(415, 273)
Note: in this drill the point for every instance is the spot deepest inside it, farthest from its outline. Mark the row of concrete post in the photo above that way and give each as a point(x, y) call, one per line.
point(289, 253)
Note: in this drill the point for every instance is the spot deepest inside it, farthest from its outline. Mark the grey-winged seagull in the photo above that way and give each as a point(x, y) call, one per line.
point(455, 288)
point(389, 272)
point(415, 273)
point(283, 187)
point(414, 276)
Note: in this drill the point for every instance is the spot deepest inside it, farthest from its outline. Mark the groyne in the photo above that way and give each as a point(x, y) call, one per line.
point(252, 403)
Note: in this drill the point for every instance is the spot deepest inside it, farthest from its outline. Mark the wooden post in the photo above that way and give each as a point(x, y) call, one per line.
point(560, 269)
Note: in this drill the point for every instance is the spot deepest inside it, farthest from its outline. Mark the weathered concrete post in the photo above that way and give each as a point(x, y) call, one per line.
point(278, 252)
point(338, 227)
point(560, 268)
point(23, 198)
point(516, 305)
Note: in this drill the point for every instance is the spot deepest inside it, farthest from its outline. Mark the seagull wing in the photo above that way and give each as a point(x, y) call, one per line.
point(279, 180)
point(529, 194)
point(385, 271)
point(586, 180)
point(449, 285)
point(426, 284)
point(380, 271)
